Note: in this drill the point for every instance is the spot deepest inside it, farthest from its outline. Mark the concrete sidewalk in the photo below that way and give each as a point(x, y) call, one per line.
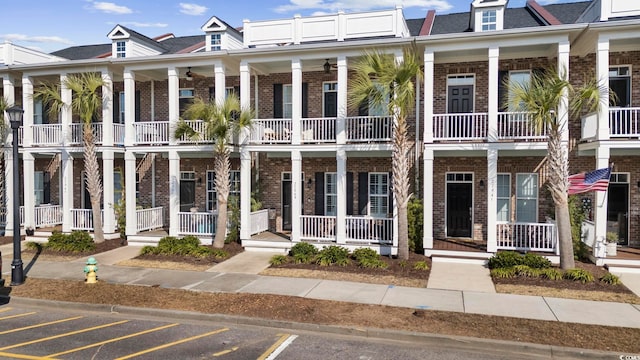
point(475, 302)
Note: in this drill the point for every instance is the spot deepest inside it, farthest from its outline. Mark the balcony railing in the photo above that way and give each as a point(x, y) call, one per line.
point(149, 219)
point(152, 132)
point(624, 122)
point(77, 133)
point(46, 134)
point(318, 228)
point(460, 127)
point(528, 237)
point(259, 221)
point(271, 131)
point(318, 130)
point(369, 230)
point(118, 134)
point(518, 126)
point(48, 215)
point(369, 128)
point(197, 223)
point(81, 219)
point(199, 127)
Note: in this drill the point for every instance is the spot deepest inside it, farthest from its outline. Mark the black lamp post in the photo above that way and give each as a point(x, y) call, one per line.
point(17, 273)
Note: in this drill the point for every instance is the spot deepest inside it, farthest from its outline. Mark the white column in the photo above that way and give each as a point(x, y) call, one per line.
point(219, 82)
point(245, 194)
point(129, 107)
point(427, 221)
point(107, 109)
point(28, 190)
point(341, 196)
point(492, 195)
point(66, 172)
point(428, 96)
point(602, 73)
point(600, 205)
point(174, 100)
point(131, 226)
point(27, 106)
point(66, 115)
point(174, 192)
point(107, 183)
point(492, 97)
point(8, 85)
point(296, 107)
point(563, 106)
point(296, 192)
point(245, 84)
point(341, 122)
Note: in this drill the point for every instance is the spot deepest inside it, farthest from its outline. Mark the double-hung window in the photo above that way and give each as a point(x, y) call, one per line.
point(38, 187)
point(378, 194)
point(503, 197)
point(212, 195)
point(527, 198)
point(330, 194)
point(121, 49)
point(287, 101)
point(216, 42)
point(185, 99)
point(620, 84)
point(489, 20)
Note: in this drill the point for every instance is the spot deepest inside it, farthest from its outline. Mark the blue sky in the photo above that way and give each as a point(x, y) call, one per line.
point(50, 25)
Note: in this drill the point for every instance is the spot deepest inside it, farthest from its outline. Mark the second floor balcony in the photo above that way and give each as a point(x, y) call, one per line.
point(474, 127)
point(623, 123)
point(57, 135)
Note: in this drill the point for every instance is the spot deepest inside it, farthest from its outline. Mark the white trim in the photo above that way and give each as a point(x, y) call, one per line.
point(326, 194)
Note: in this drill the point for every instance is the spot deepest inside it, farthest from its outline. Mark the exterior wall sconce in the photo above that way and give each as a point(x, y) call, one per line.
point(481, 184)
point(309, 183)
point(327, 67)
point(189, 74)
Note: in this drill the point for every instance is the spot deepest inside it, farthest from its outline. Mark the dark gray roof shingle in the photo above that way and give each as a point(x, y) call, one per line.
point(176, 44)
point(83, 52)
point(568, 13)
point(450, 23)
point(415, 25)
point(515, 18)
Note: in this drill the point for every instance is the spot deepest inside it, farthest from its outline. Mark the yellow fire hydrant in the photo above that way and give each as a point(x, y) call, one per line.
point(90, 271)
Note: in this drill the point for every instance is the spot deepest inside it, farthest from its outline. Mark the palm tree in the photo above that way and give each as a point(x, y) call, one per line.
point(221, 121)
point(86, 102)
point(380, 80)
point(541, 97)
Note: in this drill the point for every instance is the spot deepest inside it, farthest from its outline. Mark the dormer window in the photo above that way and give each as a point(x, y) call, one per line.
point(488, 20)
point(216, 42)
point(121, 49)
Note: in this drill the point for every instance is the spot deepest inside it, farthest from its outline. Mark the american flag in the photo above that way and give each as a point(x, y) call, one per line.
point(597, 180)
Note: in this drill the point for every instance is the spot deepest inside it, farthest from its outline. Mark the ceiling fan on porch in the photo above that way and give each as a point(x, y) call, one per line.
point(189, 75)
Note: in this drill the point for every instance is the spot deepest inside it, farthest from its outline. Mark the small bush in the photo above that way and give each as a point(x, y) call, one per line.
point(505, 259)
point(278, 260)
point(219, 253)
point(77, 241)
point(403, 264)
point(303, 253)
point(578, 275)
point(149, 250)
point(526, 271)
point(333, 255)
point(31, 245)
point(365, 253)
point(420, 265)
point(171, 245)
point(610, 279)
point(372, 263)
point(503, 272)
point(414, 224)
point(535, 261)
point(201, 252)
point(551, 274)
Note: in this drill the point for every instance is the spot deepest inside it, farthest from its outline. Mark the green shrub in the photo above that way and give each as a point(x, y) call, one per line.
point(333, 255)
point(415, 226)
point(420, 265)
point(551, 274)
point(303, 253)
point(278, 260)
point(201, 252)
point(372, 263)
point(149, 250)
point(365, 253)
point(32, 245)
point(509, 272)
point(218, 253)
point(505, 259)
point(581, 275)
point(233, 220)
point(171, 245)
point(577, 215)
point(610, 279)
point(526, 271)
point(403, 264)
point(535, 261)
point(77, 241)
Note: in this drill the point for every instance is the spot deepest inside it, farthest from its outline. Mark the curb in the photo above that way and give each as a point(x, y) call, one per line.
point(428, 339)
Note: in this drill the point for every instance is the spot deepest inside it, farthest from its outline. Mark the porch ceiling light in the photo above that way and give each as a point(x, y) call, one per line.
point(327, 67)
point(189, 74)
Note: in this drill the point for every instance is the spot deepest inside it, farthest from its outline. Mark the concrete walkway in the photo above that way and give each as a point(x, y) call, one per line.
point(244, 280)
point(456, 274)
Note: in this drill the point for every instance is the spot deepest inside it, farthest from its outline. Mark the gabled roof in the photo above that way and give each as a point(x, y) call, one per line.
point(120, 31)
point(414, 25)
point(568, 13)
point(519, 18)
point(450, 23)
point(83, 52)
point(176, 44)
point(217, 24)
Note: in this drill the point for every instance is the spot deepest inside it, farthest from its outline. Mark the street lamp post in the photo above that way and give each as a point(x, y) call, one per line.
point(17, 274)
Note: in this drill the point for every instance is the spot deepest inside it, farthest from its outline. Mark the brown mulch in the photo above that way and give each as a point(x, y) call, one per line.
point(49, 254)
point(622, 340)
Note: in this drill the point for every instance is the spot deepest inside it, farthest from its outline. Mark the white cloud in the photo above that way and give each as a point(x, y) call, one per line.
point(192, 9)
point(110, 8)
point(143, 25)
point(36, 39)
point(361, 5)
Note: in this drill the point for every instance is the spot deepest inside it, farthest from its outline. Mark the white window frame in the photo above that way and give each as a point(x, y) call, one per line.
point(513, 73)
point(38, 187)
point(520, 197)
point(211, 192)
point(384, 198)
point(507, 198)
point(121, 110)
point(616, 69)
point(121, 49)
point(330, 198)
point(462, 79)
point(287, 103)
point(38, 111)
point(328, 87)
point(489, 19)
point(216, 42)
point(185, 93)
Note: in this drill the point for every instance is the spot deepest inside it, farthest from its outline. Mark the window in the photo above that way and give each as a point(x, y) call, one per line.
point(287, 101)
point(378, 194)
point(121, 49)
point(38, 187)
point(620, 84)
point(117, 186)
point(38, 110)
point(488, 20)
point(330, 99)
point(504, 197)
point(216, 42)
point(185, 99)
point(518, 77)
point(212, 195)
point(234, 183)
point(527, 198)
point(330, 194)
point(121, 108)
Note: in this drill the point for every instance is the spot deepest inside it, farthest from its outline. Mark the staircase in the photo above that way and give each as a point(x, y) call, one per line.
point(144, 165)
point(54, 165)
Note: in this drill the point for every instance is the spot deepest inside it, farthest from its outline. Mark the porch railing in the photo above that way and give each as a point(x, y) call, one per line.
point(460, 127)
point(624, 122)
point(149, 219)
point(77, 133)
point(152, 132)
point(48, 215)
point(46, 134)
point(318, 130)
point(369, 128)
point(318, 228)
point(118, 134)
point(528, 237)
point(199, 127)
point(82, 219)
point(518, 126)
point(197, 223)
point(259, 221)
point(369, 230)
point(271, 131)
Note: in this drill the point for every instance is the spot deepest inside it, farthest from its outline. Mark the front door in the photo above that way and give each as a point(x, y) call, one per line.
point(187, 195)
point(459, 209)
point(287, 199)
point(460, 99)
point(617, 211)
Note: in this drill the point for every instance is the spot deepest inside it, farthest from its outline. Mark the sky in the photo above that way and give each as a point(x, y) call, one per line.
point(50, 25)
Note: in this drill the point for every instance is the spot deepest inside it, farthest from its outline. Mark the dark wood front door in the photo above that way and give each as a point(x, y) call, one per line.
point(618, 211)
point(459, 206)
point(460, 99)
point(187, 195)
point(330, 104)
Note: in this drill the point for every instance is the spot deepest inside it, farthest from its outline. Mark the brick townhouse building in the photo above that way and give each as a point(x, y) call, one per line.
point(321, 168)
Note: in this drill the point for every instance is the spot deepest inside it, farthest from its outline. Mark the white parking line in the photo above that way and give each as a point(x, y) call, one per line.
point(282, 346)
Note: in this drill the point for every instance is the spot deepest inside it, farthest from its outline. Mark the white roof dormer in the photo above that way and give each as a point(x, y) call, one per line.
point(126, 43)
point(220, 36)
point(487, 15)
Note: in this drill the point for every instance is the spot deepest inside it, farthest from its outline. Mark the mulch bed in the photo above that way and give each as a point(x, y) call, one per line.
point(100, 248)
point(232, 249)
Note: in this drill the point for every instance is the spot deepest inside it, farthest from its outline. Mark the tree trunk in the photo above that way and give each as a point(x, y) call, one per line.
point(558, 186)
point(94, 186)
point(563, 223)
point(401, 165)
point(403, 233)
point(221, 226)
point(222, 167)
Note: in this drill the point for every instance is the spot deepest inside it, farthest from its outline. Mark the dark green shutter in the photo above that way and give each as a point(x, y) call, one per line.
point(305, 100)
point(349, 193)
point(390, 210)
point(277, 101)
point(363, 192)
point(138, 105)
point(319, 196)
point(46, 187)
point(116, 108)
